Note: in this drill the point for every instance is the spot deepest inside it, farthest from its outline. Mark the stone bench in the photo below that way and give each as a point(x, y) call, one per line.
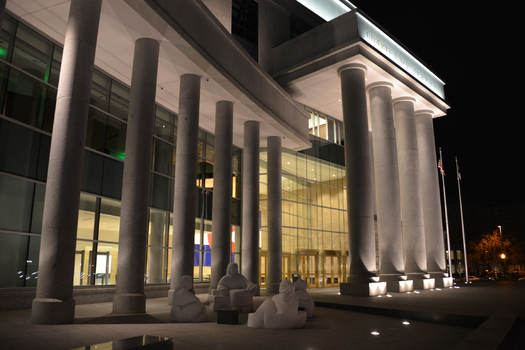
point(142, 342)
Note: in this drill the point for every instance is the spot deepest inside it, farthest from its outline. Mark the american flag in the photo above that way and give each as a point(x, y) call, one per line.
point(440, 167)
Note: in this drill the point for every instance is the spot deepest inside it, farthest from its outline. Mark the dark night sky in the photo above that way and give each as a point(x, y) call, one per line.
point(478, 49)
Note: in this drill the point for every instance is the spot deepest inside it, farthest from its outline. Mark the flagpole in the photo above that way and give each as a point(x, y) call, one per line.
point(462, 222)
point(446, 213)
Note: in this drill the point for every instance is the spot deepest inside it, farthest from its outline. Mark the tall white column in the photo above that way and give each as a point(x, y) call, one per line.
point(410, 186)
point(435, 243)
point(185, 196)
point(222, 192)
point(250, 202)
point(129, 297)
point(54, 303)
point(358, 158)
point(275, 230)
point(388, 202)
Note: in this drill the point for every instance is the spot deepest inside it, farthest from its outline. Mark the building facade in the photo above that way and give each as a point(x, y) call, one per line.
point(294, 138)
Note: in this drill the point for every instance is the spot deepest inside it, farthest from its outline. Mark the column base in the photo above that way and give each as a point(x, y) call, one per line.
point(171, 296)
point(425, 283)
point(444, 282)
point(129, 303)
point(392, 277)
point(53, 311)
point(365, 289)
point(400, 286)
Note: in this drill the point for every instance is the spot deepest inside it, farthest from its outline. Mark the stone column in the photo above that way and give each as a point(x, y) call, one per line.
point(222, 192)
point(129, 297)
point(275, 215)
point(435, 243)
point(360, 201)
point(410, 187)
point(391, 264)
point(185, 196)
point(54, 303)
point(250, 202)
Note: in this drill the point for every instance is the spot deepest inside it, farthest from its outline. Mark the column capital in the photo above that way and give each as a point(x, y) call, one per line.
point(424, 111)
point(379, 84)
point(403, 99)
point(352, 66)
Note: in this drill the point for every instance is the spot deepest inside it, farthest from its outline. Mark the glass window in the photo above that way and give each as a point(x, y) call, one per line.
point(7, 36)
point(86, 217)
point(19, 149)
point(115, 138)
point(161, 156)
point(16, 201)
point(83, 266)
point(38, 208)
point(32, 52)
point(160, 192)
point(96, 130)
point(109, 224)
point(26, 99)
point(55, 65)
point(200, 143)
point(92, 172)
point(100, 90)
point(13, 250)
point(164, 124)
point(112, 178)
point(106, 264)
point(119, 102)
point(210, 148)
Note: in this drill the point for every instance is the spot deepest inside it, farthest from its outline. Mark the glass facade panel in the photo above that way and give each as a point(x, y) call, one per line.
point(119, 101)
point(32, 53)
point(86, 217)
point(100, 90)
point(16, 202)
point(28, 95)
point(106, 264)
point(26, 99)
point(109, 221)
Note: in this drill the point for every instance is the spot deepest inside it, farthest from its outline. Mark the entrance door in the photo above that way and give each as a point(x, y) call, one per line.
point(287, 274)
point(263, 267)
point(308, 262)
point(332, 268)
point(79, 268)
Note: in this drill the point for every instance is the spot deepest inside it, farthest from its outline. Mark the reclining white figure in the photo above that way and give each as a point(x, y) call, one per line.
point(186, 306)
point(305, 300)
point(233, 290)
point(279, 312)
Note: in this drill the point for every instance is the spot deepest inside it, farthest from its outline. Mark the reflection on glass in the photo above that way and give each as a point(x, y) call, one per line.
point(32, 52)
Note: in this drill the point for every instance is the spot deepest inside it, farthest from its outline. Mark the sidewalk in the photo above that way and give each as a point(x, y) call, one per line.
point(439, 319)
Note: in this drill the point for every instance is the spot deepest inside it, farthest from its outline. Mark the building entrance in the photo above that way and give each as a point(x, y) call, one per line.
point(308, 266)
point(332, 268)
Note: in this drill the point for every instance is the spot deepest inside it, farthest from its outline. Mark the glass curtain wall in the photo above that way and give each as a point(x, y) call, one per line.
point(29, 70)
point(314, 207)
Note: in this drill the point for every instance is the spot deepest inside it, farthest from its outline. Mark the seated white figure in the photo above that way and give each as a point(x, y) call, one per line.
point(279, 312)
point(186, 306)
point(233, 290)
point(305, 300)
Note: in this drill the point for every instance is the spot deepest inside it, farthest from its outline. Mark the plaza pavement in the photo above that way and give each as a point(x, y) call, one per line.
point(480, 315)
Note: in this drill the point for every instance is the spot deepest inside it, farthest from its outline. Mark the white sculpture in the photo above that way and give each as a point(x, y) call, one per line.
point(279, 312)
point(233, 290)
point(186, 306)
point(305, 300)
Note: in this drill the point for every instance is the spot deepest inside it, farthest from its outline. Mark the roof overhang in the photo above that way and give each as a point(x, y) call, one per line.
point(307, 65)
point(206, 49)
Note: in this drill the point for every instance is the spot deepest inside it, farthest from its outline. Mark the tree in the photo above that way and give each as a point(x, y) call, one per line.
point(487, 252)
